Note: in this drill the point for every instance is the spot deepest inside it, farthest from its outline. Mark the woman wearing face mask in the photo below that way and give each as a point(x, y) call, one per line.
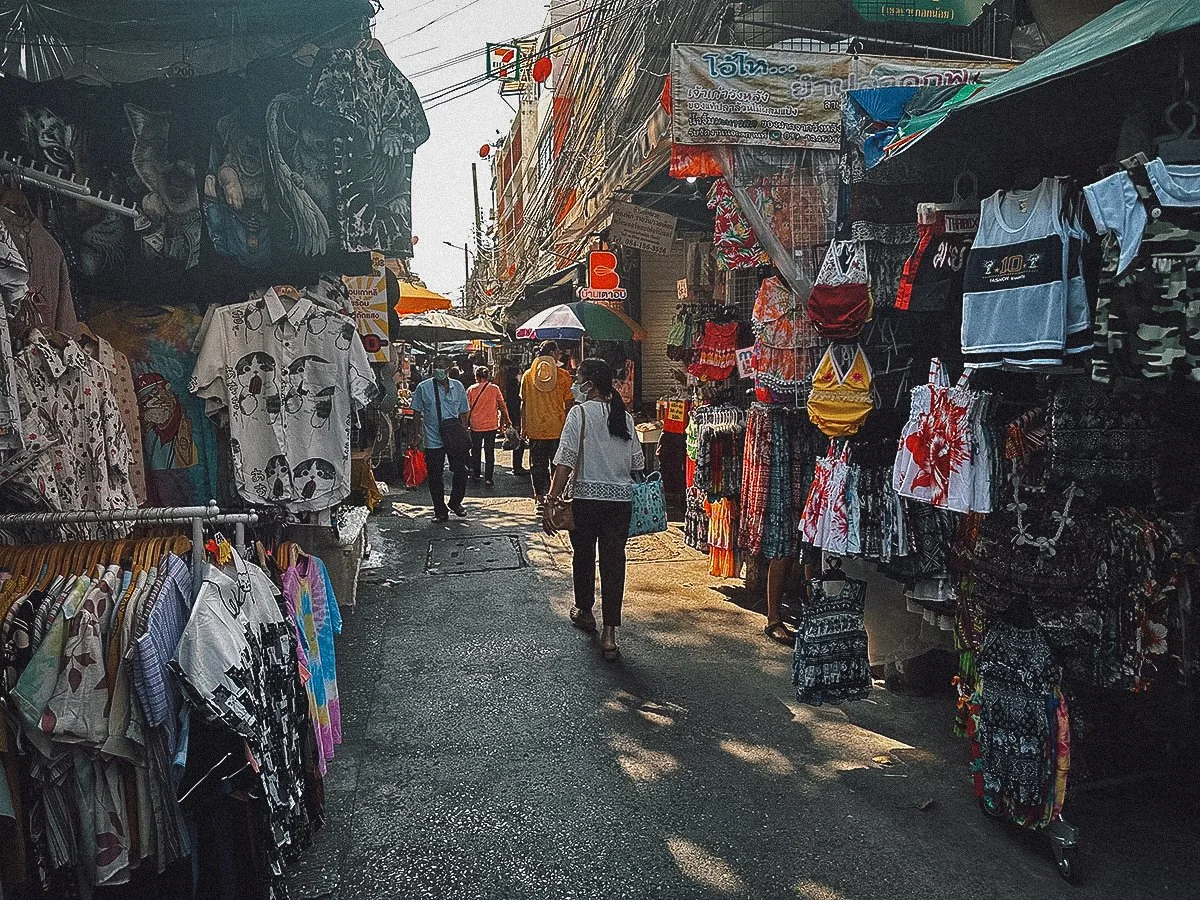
point(598, 440)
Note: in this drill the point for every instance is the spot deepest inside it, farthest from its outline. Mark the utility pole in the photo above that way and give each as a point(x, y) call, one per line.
point(478, 221)
point(466, 249)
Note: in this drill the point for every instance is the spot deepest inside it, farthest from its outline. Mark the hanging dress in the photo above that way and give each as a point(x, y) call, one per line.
point(830, 663)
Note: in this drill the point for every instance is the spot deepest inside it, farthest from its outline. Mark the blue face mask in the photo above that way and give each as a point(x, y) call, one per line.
point(578, 393)
point(441, 374)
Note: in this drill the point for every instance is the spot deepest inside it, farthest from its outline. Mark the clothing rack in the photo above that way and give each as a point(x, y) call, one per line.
point(197, 516)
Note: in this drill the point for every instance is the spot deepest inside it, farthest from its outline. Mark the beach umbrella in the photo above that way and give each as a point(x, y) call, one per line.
point(574, 321)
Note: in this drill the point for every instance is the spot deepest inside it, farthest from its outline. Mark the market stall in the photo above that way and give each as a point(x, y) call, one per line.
point(970, 363)
point(194, 349)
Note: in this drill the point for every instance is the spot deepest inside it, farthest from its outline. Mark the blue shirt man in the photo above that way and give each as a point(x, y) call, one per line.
point(452, 397)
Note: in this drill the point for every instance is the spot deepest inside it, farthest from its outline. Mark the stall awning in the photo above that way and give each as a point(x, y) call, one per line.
point(557, 287)
point(134, 40)
point(1122, 28)
point(417, 299)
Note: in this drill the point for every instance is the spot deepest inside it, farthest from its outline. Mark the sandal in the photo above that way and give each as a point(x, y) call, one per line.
point(779, 634)
point(583, 619)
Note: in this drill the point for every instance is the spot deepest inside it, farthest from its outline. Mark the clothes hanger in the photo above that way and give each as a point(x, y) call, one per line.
point(286, 292)
point(961, 202)
point(1179, 146)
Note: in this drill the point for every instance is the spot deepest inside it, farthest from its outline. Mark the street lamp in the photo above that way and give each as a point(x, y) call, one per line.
point(466, 249)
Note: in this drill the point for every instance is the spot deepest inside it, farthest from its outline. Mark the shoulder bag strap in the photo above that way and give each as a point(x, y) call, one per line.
point(437, 401)
point(478, 397)
point(582, 436)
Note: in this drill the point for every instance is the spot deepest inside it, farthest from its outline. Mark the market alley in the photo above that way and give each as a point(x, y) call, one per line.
point(491, 753)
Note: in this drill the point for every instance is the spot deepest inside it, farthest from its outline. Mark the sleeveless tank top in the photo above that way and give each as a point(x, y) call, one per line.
point(1025, 301)
point(840, 402)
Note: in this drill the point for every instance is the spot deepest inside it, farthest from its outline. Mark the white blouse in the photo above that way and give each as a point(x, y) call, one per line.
point(608, 462)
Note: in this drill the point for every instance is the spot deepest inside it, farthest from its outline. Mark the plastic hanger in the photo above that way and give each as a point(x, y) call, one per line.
point(1179, 146)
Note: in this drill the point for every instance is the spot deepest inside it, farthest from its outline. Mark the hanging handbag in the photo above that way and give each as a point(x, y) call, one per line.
point(456, 440)
point(649, 506)
point(560, 515)
point(415, 471)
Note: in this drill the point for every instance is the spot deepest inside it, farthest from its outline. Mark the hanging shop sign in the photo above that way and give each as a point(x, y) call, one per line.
point(510, 64)
point(788, 98)
point(933, 12)
point(637, 228)
point(368, 299)
point(603, 279)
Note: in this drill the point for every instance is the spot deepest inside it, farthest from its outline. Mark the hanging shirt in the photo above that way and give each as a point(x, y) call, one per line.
point(120, 376)
point(237, 664)
point(1024, 301)
point(14, 278)
point(1148, 304)
point(379, 124)
point(50, 300)
point(290, 380)
point(79, 448)
point(179, 442)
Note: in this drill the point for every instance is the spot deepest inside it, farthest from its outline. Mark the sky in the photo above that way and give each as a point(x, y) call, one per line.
point(420, 34)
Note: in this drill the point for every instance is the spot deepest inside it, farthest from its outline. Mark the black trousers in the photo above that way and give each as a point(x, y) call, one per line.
point(602, 524)
point(435, 462)
point(483, 452)
point(519, 456)
point(541, 454)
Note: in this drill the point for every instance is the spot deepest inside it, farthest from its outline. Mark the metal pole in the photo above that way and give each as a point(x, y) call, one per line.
point(478, 219)
point(466, 274)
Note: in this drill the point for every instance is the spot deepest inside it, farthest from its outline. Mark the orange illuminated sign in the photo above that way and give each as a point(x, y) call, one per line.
point(603, 280)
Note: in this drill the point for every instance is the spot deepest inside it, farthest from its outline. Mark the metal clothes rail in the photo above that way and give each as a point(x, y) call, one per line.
point(196, 516)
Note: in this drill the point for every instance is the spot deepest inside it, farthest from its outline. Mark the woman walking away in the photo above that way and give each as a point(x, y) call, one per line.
point(488, 412)
point(598, 457)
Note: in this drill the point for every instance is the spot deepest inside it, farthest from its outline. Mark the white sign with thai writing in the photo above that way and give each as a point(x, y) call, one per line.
point(637, 228)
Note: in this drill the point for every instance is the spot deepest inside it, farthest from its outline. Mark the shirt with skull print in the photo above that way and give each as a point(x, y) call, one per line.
point(289, 379)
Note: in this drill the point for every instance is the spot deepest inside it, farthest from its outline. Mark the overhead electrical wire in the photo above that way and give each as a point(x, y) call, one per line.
point(685, 24)
point(467, 86)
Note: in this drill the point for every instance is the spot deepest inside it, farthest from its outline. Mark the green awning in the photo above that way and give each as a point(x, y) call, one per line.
point(1122, 28)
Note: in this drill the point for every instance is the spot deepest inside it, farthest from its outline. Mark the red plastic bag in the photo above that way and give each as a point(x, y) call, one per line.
point(415, 472)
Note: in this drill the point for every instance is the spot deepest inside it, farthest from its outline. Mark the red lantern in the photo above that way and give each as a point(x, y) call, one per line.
point(485, 151)
point(542, 69)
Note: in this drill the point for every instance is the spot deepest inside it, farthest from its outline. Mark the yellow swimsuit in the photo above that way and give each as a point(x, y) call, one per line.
point(839, 404)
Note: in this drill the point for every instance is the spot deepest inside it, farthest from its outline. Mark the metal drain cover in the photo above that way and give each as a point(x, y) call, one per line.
point(482, 553)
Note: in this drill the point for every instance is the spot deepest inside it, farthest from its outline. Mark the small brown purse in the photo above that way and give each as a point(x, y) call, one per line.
point(560, 515)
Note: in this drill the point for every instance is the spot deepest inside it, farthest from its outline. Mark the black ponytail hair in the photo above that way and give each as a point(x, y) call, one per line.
point(600, 374)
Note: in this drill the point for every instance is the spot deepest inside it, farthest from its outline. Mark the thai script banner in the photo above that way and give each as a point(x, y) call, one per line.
point(788, 98)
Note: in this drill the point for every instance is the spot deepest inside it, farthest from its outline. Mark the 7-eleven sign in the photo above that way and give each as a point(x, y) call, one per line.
point(504, 61)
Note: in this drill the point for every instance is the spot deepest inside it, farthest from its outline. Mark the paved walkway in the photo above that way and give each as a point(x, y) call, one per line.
point(491, 753)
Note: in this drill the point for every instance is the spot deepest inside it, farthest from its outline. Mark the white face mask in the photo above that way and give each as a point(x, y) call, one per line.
point(578, 393)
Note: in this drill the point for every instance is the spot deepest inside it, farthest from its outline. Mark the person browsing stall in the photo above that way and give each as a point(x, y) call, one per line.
point(440, 401)
point(488, 413)
point(597, 441)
